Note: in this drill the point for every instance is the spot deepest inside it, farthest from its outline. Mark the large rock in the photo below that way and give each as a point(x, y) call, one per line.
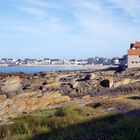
point(6, 103)
point(55, 85)
point(75, 83)
point(123, 82)
point(4, 108)
point(52, 79)
point(2, 97)
point(26, 95)
point(87, 97)
point(36, 82)
point(52, 99)
point(3, 111)
point(11, 84)
point(27, 102)
point(16, 108)
point(92, 76)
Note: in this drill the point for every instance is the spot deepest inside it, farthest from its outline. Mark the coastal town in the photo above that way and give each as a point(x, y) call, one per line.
point(48, 61)
point(130, 60)
point(70, 70)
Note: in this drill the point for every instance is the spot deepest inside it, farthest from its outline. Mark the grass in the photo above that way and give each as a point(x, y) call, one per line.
point(73, 122)
point(44, 121)
point(112, 127)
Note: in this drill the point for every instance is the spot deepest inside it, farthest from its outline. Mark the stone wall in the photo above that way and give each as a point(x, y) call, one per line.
point(133, 61)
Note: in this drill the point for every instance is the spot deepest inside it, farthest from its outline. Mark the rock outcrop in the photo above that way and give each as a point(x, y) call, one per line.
point(11, 84)
point(22, 93)
point(27, 102)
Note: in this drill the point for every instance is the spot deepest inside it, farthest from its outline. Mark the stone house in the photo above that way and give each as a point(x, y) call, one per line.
point(134, 55)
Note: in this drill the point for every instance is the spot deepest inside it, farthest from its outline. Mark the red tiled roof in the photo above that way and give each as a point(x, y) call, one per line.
point(137, 45)
point(133, 52)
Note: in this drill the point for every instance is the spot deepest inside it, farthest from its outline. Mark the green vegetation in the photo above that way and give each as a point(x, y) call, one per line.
point(73, 123)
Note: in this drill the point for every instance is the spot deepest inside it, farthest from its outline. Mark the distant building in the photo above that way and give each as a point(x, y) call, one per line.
point(134, 55)
point(90, 61)
point(56, 62)
point(46, 61)
point(116, 61)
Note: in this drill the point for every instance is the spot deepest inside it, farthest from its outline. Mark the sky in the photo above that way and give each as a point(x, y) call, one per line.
point(68, 28)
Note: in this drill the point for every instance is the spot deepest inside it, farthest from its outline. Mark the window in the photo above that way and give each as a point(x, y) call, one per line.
point(132, 62)
point(136, 62)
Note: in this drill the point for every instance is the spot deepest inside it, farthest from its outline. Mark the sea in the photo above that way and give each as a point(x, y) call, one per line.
point(35, 69)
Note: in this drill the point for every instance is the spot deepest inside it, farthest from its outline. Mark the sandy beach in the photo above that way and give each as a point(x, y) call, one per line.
point(81, 66)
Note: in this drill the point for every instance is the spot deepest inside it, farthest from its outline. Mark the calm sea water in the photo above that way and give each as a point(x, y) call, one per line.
point(34, 69)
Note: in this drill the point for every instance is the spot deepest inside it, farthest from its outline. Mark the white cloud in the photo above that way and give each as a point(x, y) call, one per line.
point(43, 4)
point(130, 7)
point(88, 5)
point(95, 18)
point(32, 11)
point(79, 22)
point(103, 20)
point(38, 8)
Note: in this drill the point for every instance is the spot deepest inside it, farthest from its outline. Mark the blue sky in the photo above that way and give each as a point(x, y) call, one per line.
point(68, 28)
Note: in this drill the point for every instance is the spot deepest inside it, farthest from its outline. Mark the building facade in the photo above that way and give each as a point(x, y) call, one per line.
point(134, 55)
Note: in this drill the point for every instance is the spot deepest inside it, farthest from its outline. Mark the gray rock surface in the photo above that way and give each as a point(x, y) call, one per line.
point(21, 92)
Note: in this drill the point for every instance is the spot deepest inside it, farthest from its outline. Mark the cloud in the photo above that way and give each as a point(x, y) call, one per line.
point(85, 17)
point(89, 20)
point(32, 11)
point(130, 7)
point(88, 5)
point(43, 4)
point(98, 24)
point(38, 8)
point(104, 20)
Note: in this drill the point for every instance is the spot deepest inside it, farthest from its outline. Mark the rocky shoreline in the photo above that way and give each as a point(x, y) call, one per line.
point(22, 93)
